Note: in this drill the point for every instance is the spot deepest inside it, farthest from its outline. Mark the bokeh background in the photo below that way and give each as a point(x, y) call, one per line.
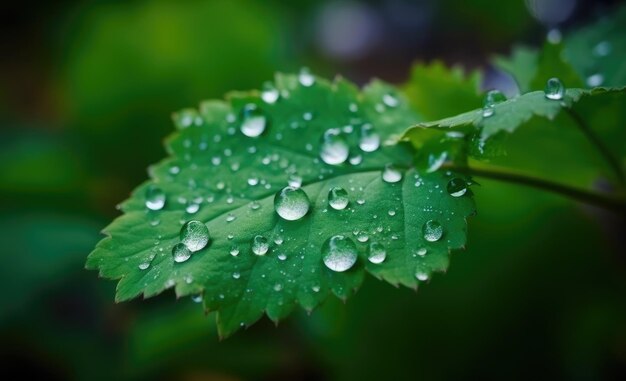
point(86, 93)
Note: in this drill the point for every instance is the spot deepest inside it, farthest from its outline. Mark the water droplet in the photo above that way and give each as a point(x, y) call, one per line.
point(252, 181)
point(260, 245)
point(282, 256)
point(334, 149)
point(377, 253)
point(305, 78)
point(595, 80)
point(554, 89)
point(236, 275)
point(195, 235)
point(391, 212)
point(362, 237)
point(338, 198)
point(144, 265)
point(360, 201)
point(291, 203)
point(457, 187)
point(230, 217)
point(356, 159)
point(254, 205)
point(492, 98)
point(295, 181)
point(370, 140)
point(155, 198)
point(174, 170)
point(180, 252)
point(422, 251)
point(270, 95)
point(234, 251)
point(432, 231)
point(339, 253)
point(278, 240)
point(196, 298)
point(254, 121)
point(192, 207)
point(422, 275)
point(390, 100)
point(391, 174)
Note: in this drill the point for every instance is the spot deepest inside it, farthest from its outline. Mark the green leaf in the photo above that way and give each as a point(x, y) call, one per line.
point(436, 91)
point(550, 142)
point(234, 179)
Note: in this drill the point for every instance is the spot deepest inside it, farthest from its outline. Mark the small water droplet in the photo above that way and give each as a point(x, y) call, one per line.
point(197, 298)
point(390, 100)
point(195, 235)
point(305, 78)
point(144, 265)
point(192, 207)
point(180, 252)
point(291, 203)
point(278, 240)
point(356, 159)
point(554, 89)
point(236, 275)
point(254, 121)
point(360, 201)
point(492, 98)
point(254, 205)
point(432, 231)
point(422, 275)
point(370, 140)
point(234, 251)
point(422, 251)
point(339, 253)
point(334, 149)
point(155, 198)
point(295, 181)
point(260, 245)
point(391, 212)
point(282, 256)
point(362, 237)
point(457, 187)
point(270, 95)
point(435, 161)
point(377, 253)
point(338, 198)
point(391, 174)
point(230, 217)
point(252, 181)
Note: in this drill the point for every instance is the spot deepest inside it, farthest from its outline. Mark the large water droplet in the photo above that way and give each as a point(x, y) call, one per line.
point(370, 140)
point(457, 187)
point(195, 235)
point(253, 121)
point(180, 252)
point(377, 253)
point(334, 149)
point(492, 98)
point(432, 231)
point(291, 203)
point(155, 198)
point(339, 253)
point(554, 89)
point(391, 174)
point(338, 198)
point(260, 245)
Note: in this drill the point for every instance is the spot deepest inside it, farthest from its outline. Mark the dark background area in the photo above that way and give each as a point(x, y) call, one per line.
point(86, 93)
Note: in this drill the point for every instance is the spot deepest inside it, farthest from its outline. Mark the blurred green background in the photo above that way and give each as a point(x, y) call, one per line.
point(86, 93)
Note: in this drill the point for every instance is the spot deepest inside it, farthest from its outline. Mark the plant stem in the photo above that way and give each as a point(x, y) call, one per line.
point(584, 196)
point(600, 146)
